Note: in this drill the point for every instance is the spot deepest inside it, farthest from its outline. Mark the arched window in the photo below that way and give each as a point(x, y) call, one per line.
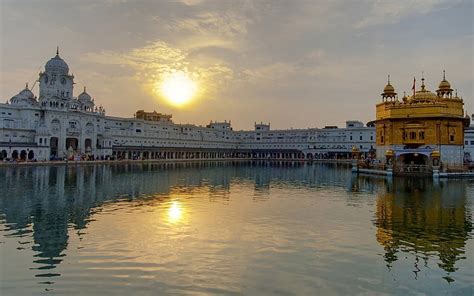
point(412, 135)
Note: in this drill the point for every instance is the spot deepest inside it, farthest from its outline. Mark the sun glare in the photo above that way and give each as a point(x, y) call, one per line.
point(174, 212)
point(178, 88)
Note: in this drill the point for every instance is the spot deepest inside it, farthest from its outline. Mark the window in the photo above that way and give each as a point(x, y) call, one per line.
point(360, 138)
point(451, 138)
point(421, 135)
point(472, 142)
point(412, 135)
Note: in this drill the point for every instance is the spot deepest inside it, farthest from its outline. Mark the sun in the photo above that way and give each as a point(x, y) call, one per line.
point(178, 88)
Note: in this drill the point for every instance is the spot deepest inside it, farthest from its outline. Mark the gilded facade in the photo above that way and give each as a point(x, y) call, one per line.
point(425, 129)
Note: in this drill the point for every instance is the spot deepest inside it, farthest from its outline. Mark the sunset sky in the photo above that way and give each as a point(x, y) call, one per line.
point(295, 64)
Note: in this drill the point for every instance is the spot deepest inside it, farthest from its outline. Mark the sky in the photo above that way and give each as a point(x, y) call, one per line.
point(294, 64)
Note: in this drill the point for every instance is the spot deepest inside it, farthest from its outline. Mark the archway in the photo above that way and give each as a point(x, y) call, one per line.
point(31, 155)
point(54, 146)
point(3, 154)
point(414, 159)
point(23, 155)
point(72, 143)
point(413, 163)
point(88, 145)
point(15, 154)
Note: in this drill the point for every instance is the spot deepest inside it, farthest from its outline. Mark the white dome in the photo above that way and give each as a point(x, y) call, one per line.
point(57, 65)
point(24, 97)
point(84, 97)
point(26, 93)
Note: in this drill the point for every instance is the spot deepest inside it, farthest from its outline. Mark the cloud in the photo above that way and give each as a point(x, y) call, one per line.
point(155, 61)
point(391, 12)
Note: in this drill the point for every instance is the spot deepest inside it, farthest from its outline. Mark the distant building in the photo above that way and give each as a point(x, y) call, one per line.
point(56, 124)
point(469, 143)
point(153, 116)
point(422, 130)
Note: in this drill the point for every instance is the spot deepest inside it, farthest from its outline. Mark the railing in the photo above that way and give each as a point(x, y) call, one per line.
point(373, 166)
point(456, 168)
point(412, 168)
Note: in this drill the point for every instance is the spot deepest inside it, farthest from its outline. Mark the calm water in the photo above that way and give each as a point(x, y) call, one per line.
point(231, 229)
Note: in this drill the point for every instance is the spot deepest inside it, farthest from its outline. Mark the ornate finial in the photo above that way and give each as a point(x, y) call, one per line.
point(456, 92)
point(26, 87)
point(57, 50)
point(84, 88)
point(444, 74)
point(388, 80)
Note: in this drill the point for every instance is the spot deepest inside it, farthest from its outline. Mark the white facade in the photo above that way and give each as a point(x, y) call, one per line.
point(469, 143)
point(59, 125)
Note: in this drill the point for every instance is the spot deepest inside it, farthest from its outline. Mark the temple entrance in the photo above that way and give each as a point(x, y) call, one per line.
point(413, 163)
point(414, 159)
point(54, 146)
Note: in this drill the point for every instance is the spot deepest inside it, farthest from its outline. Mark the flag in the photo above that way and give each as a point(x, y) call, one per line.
point(413, 87)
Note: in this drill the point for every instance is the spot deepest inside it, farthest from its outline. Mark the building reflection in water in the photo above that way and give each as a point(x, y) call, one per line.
point(49, 201)
point(425, 219)
point(413, 216)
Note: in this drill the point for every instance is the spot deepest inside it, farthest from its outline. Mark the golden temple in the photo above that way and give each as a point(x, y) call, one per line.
point(421, 132)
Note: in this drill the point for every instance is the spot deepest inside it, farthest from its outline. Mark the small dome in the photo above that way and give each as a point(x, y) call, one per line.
point(57, 64)
point(84, 96)
point(444, 84)
point(26, 93)
point(389, 90)
point(24, 97)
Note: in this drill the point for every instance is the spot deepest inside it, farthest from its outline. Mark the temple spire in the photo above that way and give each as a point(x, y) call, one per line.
point(388, 80)
point(57, 50)
point(26, 87)
point(444, 74)
point(422, 80)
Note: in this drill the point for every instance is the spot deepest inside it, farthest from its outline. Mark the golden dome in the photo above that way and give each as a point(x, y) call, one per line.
point(423, 95)
point(444, 84)
point(389, 89)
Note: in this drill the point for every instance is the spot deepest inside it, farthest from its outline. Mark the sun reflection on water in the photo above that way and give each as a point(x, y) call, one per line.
point(175, 212)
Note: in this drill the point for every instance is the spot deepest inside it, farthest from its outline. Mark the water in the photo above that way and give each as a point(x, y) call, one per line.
point(231, 229)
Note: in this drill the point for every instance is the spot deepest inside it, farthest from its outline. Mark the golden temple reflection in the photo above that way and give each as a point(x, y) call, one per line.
point(430, 220)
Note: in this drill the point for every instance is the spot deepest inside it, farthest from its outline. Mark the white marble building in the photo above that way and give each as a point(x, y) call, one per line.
point(56, 124)
point(469, 142)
